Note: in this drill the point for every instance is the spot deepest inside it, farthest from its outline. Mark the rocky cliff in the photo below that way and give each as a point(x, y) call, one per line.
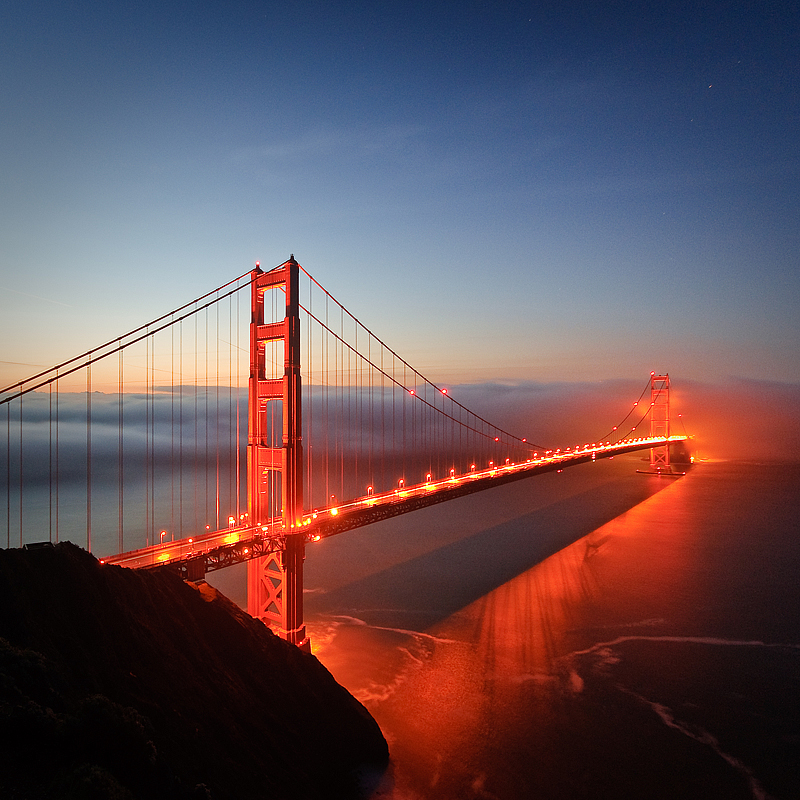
point(117, 683)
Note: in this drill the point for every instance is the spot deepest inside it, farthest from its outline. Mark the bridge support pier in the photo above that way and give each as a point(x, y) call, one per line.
point(275, 590)
point(275, 582)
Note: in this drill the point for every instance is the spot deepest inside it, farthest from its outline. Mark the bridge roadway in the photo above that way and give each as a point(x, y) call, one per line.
point(193, 557)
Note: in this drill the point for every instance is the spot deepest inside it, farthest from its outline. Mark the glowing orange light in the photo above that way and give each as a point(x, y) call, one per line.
point(411, 391)
point(444, 391)
point(334, 512)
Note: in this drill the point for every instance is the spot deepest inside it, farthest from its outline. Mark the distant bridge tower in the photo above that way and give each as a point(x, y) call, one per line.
point(659, 421)
point(275, 582)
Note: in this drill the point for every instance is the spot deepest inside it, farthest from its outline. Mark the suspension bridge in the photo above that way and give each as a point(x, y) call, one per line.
point(151, 443)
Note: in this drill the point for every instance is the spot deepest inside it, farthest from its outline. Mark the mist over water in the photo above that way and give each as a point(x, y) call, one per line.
point(179, 450)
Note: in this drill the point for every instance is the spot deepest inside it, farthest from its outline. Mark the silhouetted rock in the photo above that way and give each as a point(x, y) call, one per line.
point(124, 684)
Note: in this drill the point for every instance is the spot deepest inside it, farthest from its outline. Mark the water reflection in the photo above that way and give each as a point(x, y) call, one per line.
point(604, 671)
point(484, 688)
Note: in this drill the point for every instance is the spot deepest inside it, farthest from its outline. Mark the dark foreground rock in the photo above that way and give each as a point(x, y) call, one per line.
point(116, 683)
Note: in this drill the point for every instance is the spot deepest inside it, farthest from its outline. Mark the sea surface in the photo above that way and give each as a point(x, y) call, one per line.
point(597, 633)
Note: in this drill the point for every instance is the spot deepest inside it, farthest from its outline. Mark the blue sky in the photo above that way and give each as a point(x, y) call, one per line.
point(501, 191)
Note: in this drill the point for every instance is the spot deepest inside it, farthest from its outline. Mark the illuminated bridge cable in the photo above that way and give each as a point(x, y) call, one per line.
point(414, 392)
point(641, 420)
point(91, 359)
point(416, 374)
point(146, 327)
point(625, 418)
point(137, 462)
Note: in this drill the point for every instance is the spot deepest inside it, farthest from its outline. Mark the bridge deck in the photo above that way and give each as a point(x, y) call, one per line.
point(218, 549)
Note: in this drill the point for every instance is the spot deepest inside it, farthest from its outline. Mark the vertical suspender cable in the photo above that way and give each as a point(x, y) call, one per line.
point(180, 430)
point(216, 416)
point(121, 455)
point(147, 441)
point(308, 405)
point(20, 472)
point(326, 345)
point(89, 456)
point(172, 431)
point(50, 461)
point(194, 454)
point(153, 439)
point(205, 444)
point(230, 407)
point(57, 454)
point(238, 401)
point(8, 475)
point(340, 404)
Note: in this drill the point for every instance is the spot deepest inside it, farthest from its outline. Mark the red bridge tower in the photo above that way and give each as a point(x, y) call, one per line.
point(659, 421)
point(275, 582)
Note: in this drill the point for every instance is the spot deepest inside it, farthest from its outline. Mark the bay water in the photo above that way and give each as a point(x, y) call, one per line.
point(598, 633)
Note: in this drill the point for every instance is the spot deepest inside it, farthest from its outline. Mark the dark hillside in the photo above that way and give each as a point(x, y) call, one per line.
point(116, 683)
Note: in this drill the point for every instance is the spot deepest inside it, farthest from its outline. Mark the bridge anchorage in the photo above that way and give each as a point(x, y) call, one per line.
point(372, 439)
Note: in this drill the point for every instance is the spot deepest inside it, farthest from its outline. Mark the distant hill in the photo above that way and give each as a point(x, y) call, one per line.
point(125, 684)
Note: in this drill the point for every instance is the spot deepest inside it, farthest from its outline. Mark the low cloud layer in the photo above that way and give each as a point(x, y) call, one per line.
point(739, 419)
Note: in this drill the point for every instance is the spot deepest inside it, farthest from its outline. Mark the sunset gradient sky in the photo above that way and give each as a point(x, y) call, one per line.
point(517, 191)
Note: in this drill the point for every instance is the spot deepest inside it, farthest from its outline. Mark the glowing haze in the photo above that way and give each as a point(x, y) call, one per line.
point(521, 193)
